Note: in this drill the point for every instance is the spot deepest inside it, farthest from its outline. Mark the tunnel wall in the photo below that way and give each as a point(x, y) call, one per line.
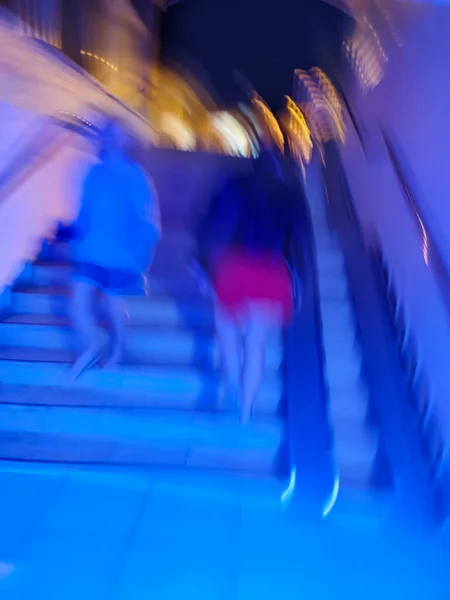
point(412, 105)
point(32, 209)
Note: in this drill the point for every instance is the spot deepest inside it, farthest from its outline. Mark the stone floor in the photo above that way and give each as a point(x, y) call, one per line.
point(91, 534)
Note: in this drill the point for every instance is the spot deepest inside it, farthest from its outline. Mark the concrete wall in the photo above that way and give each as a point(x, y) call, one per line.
point(32, 205)
point(412, 103)
point(185, 181)
point(31, 210)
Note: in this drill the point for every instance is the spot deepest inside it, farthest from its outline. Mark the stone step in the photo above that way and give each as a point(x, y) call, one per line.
point(216, 485)
point(180, 282)
point(138, 438)
point(343, 361)
point(322, 231)
point(355, 444)
point(175, 387)
point(84, 396)
point(152, 345)
point(325, 239)
point(339, 329)
point(154, 309)
point(339, 308)
point(355, 449)
point(331, 261)
point(339, 315)
point(340, 339)
point(319, 221)
point(366, 509)
point(344, 358)
point(326, 243)
point(332, 287)
point(348, 402)
point(178, 268)
point(318, 211)
point(241, 488)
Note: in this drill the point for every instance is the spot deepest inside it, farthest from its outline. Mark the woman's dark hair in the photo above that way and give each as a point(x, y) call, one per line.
point(268, 164)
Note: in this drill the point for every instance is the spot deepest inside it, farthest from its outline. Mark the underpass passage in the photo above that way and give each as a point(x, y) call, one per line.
point(160, 409)
point(171, 365)
point(377, 424)
point(102, 418)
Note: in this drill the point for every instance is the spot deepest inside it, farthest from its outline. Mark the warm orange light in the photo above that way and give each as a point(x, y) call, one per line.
point(297, 131)
point(377, 24)
point(99, 58)
point(270, 125)
point(235, 139)
point(321, 104)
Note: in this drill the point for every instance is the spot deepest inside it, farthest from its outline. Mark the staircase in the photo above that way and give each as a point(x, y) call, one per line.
point(356, 443)
point(159, 409)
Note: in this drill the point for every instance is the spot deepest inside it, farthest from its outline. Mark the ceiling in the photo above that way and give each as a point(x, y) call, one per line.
point(262, 40)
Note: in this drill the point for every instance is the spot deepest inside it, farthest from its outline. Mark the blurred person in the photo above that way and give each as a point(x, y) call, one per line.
point(243, 247)
point(114, 239)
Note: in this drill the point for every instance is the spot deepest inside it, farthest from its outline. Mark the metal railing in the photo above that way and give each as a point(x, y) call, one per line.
point(383, 371)
point(37, 150)
point(309, 436)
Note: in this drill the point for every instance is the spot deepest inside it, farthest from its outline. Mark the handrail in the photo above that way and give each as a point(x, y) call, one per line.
point(41, 148)
point(73, 70)
point(22, 166)
point(94, 82)
point(52, 52)
point(28, 160)
point(309, 434)
point(431, 252)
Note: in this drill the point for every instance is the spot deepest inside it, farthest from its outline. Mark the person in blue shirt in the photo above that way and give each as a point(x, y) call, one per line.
point(115, 235)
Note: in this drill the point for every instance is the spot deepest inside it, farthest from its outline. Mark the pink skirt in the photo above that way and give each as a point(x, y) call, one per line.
point(242, 276)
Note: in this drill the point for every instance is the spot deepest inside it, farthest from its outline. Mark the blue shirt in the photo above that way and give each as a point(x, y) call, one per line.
point(252, 212)
point(118, 224)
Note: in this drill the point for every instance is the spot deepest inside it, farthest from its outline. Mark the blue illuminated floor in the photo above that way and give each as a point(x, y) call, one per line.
point(90, 535)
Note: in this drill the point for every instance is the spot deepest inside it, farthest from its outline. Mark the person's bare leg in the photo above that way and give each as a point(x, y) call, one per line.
point(84, 323)
point(117, 321)
point(261, 320)
point(230, 346)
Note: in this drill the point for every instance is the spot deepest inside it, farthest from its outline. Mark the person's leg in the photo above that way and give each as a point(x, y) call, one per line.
point(230, 346)
point(84, 323)
point(117, 321)
point(259, 321)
